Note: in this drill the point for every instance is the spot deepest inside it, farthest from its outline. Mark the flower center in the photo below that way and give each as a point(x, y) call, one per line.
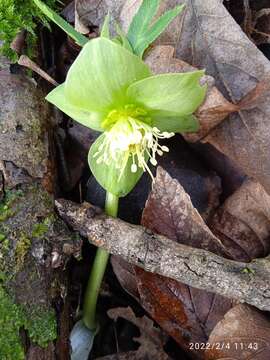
point(129, 110)
point(129, 137)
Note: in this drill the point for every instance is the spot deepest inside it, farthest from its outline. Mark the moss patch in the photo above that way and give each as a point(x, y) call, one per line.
point(22, 247)
point(17, 235)
point(17, 15)
point(4, 243)
point(40, 324)
point(39, 230)
point(11, 320)
point(6, 210)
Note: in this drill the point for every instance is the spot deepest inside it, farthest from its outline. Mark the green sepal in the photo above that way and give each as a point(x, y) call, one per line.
point(108, 176)
point(166, 121)
point(87, 118)
point(177, 93)
point(100, 75)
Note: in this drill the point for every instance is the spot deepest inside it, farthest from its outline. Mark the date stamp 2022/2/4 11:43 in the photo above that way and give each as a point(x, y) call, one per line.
point(225, 345)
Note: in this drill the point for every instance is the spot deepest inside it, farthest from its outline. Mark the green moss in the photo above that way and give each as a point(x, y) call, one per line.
point(5, 213)
point(22, 247)
point(248, 270)
point(16, 15)
point(40, 229)
point(6, 210)
point(4, 244)
point(41, 326)
point(39, 323)
point(11, 320)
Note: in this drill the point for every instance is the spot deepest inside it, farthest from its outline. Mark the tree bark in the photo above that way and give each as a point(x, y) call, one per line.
point(32, 238)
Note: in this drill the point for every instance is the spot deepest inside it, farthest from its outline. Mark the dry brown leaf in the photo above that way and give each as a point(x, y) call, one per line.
point(243, 222)
point(93, 12)
point(169, 211)
point(232, 177)
point(76, 143)
point(126, 275)
point(187, 314)
point(244, 333)
point(237, 65)
point(258, 25)
point(79, 23)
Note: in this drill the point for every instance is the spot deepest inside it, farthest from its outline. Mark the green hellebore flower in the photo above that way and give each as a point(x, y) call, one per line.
point(111, 90)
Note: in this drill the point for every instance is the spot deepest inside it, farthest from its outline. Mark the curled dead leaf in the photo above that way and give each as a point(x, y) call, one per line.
point(242, 223)
point(244, 333)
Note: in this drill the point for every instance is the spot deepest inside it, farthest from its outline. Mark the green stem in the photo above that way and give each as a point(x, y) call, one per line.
point(58, 20)
point(97, 272)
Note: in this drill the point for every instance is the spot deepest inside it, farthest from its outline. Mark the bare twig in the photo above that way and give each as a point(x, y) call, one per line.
point(25, 61)
point(155, 253)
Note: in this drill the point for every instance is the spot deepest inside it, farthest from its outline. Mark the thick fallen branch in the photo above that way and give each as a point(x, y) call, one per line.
point(155, 253)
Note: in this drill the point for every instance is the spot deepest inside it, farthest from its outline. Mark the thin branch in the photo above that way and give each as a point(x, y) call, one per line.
point(155, 253)
point(25, 61)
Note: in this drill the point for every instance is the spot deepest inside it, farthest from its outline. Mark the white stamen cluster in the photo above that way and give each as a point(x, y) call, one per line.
point(131, 139)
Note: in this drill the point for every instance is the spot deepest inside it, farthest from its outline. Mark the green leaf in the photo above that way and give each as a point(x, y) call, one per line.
point(105, 30)
point(141, 21)
point(58, 20)
point(108, 176)
point(87, 118)
point(99, 77)
point(166, 121)
point(158, 27)
point(140, 33)
point(177, 93)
